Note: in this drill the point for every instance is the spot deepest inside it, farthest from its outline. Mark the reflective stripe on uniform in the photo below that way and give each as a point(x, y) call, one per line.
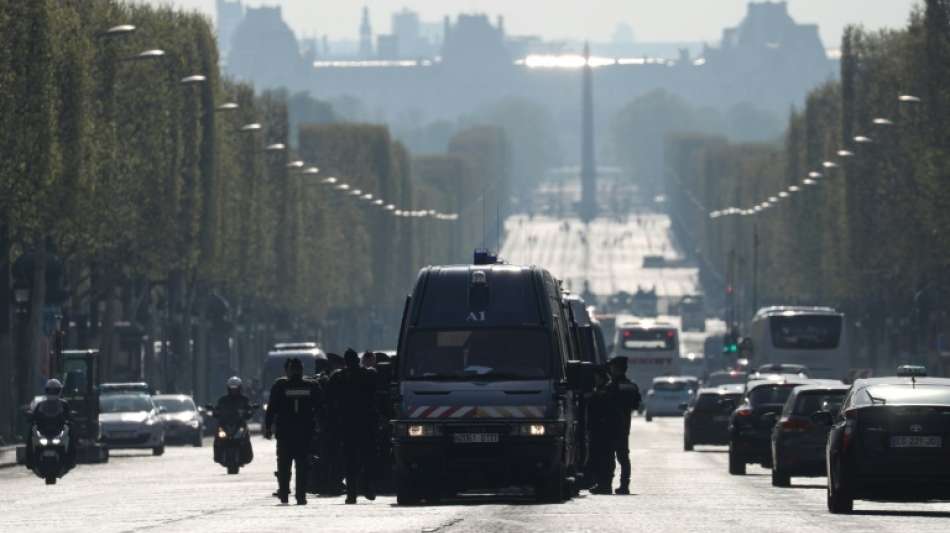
point(297, 393)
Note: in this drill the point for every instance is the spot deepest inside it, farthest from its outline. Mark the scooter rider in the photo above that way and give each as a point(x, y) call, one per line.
point(235, 407)
point(292, 408)
point(51, 415)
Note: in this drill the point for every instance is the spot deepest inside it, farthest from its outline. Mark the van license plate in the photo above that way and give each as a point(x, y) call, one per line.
point(916, 442)
point(50, 453)
point(475, 438)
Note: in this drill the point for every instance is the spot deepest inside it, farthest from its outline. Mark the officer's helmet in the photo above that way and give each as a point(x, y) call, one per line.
point(53, 387)
point(234, 383)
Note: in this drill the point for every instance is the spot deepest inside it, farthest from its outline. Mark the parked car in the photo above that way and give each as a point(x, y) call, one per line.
point(131, 421)
point(183, 422)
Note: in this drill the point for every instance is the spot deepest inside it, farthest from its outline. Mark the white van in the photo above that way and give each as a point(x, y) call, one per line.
point(810, 336)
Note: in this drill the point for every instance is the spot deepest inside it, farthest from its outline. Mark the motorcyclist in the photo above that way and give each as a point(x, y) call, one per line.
point(352, 395)
point(50, 415)
point(292, 408)
point(234, 408)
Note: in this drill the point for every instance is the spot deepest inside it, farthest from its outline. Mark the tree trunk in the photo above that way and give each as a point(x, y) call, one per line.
point(7, 378)
point(37, 349)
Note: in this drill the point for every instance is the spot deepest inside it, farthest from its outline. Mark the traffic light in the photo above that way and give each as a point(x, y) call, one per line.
point(730, 343)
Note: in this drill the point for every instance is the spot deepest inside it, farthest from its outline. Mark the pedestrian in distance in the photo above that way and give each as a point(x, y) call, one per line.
point(624, 398)
point(292, 410)
point(352, 394)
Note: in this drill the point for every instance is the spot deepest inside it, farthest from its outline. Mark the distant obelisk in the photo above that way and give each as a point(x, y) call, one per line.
point(588, 207)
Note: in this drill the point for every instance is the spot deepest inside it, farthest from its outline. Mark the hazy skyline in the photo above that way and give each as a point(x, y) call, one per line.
point(652, 20)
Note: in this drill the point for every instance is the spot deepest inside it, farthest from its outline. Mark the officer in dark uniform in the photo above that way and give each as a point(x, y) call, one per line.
point(624, 397)
point(602, 428)
point(292, 408)
point(352, 395)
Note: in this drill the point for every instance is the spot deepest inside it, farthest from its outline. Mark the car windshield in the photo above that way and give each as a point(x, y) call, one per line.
point(716, 403)
point(125, 403)
point(175, 405)
point(809, 403)
point(478, 354)
point(725, 378)
point(770, 394)
point(806, 332)
point(675, 386)
point(897, 394)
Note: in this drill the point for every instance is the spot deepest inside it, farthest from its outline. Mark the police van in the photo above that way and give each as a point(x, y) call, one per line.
point(486, 385)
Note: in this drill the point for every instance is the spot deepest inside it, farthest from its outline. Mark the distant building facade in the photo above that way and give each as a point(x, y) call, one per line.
point(265, 51)
point(229, 16)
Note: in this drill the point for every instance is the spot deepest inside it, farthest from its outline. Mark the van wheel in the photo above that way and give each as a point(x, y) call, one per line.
point(197, 442)
point(736, 462)
point(780, 478)
point(406, 493)
point(158, 450)
point(687, 442)
point(648, 416)
point(552, 490)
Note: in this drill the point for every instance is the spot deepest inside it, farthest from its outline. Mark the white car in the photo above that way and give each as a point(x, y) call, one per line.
point(131, 421)
point(668, 395)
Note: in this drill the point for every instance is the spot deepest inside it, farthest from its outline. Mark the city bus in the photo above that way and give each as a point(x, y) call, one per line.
point(810, 336)
point(651, 348)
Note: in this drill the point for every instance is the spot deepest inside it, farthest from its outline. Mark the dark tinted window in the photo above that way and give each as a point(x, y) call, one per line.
point(811, 402)
point(716, 403)
point(770, 394)
point(806, 332)
point(648, 339)
point(903, 395)
point(475, 353)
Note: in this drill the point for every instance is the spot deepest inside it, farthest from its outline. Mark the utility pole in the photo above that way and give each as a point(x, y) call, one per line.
point(755, 268)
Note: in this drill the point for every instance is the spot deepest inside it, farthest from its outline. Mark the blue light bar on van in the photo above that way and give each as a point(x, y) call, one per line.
point(484, 256)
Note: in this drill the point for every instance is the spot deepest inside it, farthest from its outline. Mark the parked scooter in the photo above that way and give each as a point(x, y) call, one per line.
point(232, 441)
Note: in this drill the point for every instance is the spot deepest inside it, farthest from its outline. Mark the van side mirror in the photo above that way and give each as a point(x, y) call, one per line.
point(580, 376)
point(824, 418)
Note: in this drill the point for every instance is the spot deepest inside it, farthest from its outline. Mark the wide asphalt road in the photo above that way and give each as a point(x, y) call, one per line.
point(674, 491)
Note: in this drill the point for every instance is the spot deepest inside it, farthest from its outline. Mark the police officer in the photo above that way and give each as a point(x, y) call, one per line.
point(352, 394)
point(292, 408)
point(624, 397)
point(234, 407)
point(602, 429)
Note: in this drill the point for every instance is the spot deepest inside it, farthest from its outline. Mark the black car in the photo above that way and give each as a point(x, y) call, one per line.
point(798, 440)
point(891, 441)
point(750, 425)
point(706, 420)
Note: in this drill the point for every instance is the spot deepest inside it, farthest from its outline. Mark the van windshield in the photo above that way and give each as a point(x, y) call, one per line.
point(806, 332)
point(469, 354)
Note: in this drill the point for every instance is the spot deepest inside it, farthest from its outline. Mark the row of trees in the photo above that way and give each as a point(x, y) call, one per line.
point(852, 210)
point(157, 212)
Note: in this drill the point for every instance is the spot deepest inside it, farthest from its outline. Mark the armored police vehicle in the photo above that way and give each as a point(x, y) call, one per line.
point(486, 389)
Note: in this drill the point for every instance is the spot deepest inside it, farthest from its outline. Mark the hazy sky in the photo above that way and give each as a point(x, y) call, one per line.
point(652, 20)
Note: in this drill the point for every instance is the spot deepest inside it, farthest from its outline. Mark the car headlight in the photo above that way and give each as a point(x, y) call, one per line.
point(538, 429)
point(222, 434)
point(44, 441)
point(57, 441)
point(193, 423)
point(423, 430)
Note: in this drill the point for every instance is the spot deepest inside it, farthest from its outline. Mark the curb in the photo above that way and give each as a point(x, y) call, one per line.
point(7, 456)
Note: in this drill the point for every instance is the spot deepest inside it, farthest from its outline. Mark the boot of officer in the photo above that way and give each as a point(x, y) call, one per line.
point(292, 410)
point(624, 397)
point(354, 395)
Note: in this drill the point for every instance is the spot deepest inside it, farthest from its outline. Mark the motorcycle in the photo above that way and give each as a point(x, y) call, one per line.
point(232, 443)
point(51, 453)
